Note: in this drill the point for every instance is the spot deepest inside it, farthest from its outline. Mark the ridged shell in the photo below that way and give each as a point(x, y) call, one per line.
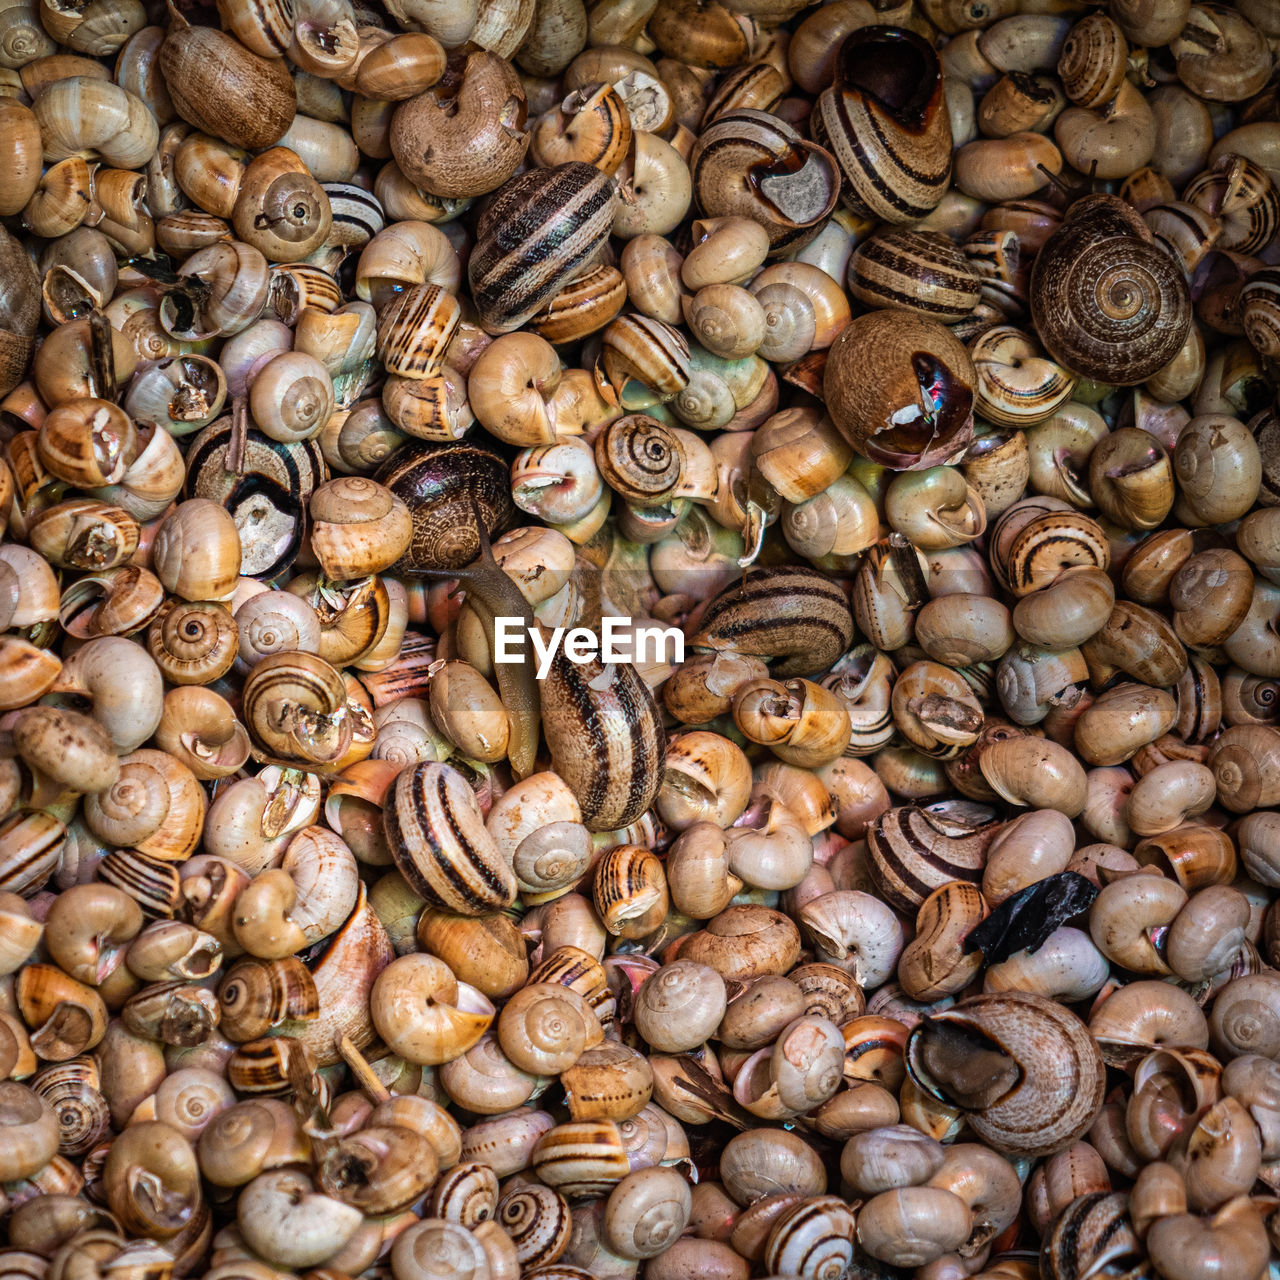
point(437, 836)
point(540, 230)
point(1060, 1076)
point(606, 742)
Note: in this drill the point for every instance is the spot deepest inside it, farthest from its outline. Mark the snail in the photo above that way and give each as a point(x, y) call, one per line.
point(1108, 303)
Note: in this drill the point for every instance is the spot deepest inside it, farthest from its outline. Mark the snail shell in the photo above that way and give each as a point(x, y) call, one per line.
point(918, 410)
point(225, 90)
point(540, 230)
point(920, 271)
point(795, 614)
point(266, 499)
point(752, 164)
point(886, 122)
point(437, 836)
point(1025, 1069)
point(916, 849)
point(438, 483)
point(1108, 302)
point(605, 735)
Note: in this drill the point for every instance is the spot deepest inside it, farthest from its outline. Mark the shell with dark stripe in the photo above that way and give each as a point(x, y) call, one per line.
point(437, 836)
point(607, 743)
point(752, 164)
point(582, 306)
point(812, 1238)
point(582, 1158)
point(886, 122)
point(914, 850)
point(1092, 1233)
point(542, 229)
point(414, 329)
point(357, 214)
point(920, 271)
point(31, 844)
point(793, 613)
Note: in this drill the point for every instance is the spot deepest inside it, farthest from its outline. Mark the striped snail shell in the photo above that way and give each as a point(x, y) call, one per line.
point(267, 497)
point(585, 304)
point(915, 849)
point(794, 613)
point(72, 1089)
point(605, 735)
point(1092, 1227)
point(538, 1221)
point(1094, 60)
point(755, 165)
point(920, 271)
point(437, 836)
point(357, 214)
point(640, 459)
point(813, 1238)
point(541, 230)
point(466, 1194)
point(918, 409)
point(652, 352)
point(581, 1159)
point(1260, 311)
point(1107, 301)
point(295, 707)
point(885, 120)
point(1241, 194)
point(1026, 1070)
point(438, 483)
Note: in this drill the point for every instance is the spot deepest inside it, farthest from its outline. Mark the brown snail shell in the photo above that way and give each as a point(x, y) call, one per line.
point(1025, 1069)
point(604, 732)
point(225, 90)
point(540, 230)
point(885, 120)
point(1108, 302)
point(438, 483)
point(918, 410)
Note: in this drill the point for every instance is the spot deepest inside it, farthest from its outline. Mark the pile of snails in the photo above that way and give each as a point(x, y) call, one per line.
point(915, 364)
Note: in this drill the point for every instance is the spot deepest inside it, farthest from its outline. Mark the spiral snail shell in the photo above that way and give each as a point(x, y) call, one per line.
point(439, 483)
point(1027, 1070)
point(437, 836)
point(1108, 302)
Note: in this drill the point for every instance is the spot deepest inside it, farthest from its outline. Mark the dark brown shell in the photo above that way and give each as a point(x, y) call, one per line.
point(1108, 302)
point(541, 229)
point(438, 483)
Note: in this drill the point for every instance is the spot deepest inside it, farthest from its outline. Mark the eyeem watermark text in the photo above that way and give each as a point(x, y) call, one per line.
point(618, 641)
